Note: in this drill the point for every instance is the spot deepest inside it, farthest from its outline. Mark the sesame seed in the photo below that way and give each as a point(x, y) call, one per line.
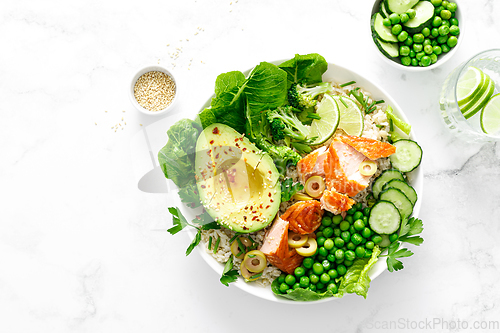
point(154, 90)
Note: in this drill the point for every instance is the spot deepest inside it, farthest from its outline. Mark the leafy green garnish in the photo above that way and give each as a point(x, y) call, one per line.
point(306, 69)
point(393, 254)
point(406, 128)
point(300, 294)
point(229, 274)
point(288, 189)
point(189, 195)
point(358, 95)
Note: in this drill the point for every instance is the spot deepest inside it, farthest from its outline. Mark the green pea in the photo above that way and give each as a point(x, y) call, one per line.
point(412, 55)
point(320, 240)
point(434, 43)
point(435, 32)
point(337, 232)
point(296, 286)
point(290, 280)
point(328, 232)
point(368, 253)
point(346, 236)
point(445, 48)
point(365, 218)
point(411, 13)
point(417, 47)
point(404, 18)
point(299, 271)
point(304, 282)
point(366, 233)
point(328, 244)
point(339, 254)
point(445, 14)
point(403, 35)
point(284, 287)
point(348, 263)
point(434, 58)
point(326, 221)
point(445, 3)
point(333, 273)
point(349, 218)
point(426, 32)
point(428, 49)
point(427, 41)
point(319, 234)
point(314, 278)
point(322, 251)
point(359, 224)
point(308, 262)
point(386, 22)
point(356, 238)
point(414, 62)
point(325, 278)
point(395, 18)
point(351, 211)
point(453, 21)
point(436, 3)
point(426, 61)
point(358, 215)
point(407, 42)
point(366, 210)
point(349, 255)
point(393, 237)
point(363, 240)
point(341, 269)
point(339, 261)
point(331, 256)
point(344, 226)
point(358, 206)
point(320, 258)
point(443, 30)
point(339, 242)
point(452, 41)
point(337, 219)
point(351, 246)
point(281, 278)
point(376, 239)
point(318, 268)
point(319, 286)
point(312, 287)
point(454, 30)
point(332, 287)
point(360, 252)
point(352, 230)
point(452, 7)
point(370, 245)
point(326, 265)
point(442, 39)
point(438, 10)
point(436, 22)
point(418, 38)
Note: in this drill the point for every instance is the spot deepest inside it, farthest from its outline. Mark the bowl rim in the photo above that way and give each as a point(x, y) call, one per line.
point(444, 58)
point(416, 177)
point(137, 75)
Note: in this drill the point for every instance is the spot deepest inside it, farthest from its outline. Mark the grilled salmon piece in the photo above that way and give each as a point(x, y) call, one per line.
point(312, 164)
point(373, 149)
point(336, 202)
point(304, 217)
point(276, 249)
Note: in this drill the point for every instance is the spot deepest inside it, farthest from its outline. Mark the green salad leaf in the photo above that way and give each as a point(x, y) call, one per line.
point(306, 69)
point(229, 274)
point(300, 294)
point(189, 195)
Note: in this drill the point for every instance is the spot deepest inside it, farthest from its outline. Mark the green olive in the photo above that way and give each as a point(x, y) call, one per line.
point(367, 168)
point(235, 249)
point(247, 275)
point(315, 186)
point(308, 249)
point(255, 261)
point(296, 240)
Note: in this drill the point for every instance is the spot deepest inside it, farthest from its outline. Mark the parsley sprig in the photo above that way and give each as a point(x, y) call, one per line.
point(229, 274)
point(408, 232)
point(200, 223)
point(288, 189)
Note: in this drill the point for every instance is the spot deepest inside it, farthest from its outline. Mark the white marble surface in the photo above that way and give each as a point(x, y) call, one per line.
point(83, 250)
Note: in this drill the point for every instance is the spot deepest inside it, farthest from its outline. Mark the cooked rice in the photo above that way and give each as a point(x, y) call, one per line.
point(376, 126)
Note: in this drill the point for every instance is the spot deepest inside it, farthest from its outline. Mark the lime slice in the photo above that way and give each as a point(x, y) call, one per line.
point(475, 106)
point(469, 85)
point(324, 128)
point(351, 117)
point(490, 115)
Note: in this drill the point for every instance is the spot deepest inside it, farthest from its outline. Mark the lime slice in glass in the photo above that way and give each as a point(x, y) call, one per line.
point(490, 115)
point(475, 106)
point(470, 85)
point(351, 117)
point(324, 128)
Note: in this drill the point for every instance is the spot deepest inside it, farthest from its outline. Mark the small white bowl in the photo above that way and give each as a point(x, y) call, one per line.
point(139, 107)
point(441, 58)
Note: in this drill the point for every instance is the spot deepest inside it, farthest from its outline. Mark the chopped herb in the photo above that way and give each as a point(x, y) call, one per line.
point(210, 243)
point(251, 255)
point(288, 189)
point(343, 102)
point(216, 247)
point(257, 275)
point(242, 247)
point(347, 84)
point(234, 237)
point(313, 115)
point(229, 274)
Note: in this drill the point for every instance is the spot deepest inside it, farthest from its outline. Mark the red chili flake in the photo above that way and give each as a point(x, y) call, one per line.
point(251, 207)
point(245, 228)
point(254, 218)
point(244, 149)
point(241, 139)
point(269, 195)
point(211, 142)
point(236, 140)
point(203, 186)
point(260, 206)
point(267, 206)
point(244, 218)
point(215, 131)
point(270, 172)
point(254, 211)
point(272, 200)
point(217, 156)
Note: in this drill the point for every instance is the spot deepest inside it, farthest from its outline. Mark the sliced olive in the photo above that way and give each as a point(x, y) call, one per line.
point(315, 186)
point(255, 261)
point(368, 168)
point(308, 249)
point(296, 240)
point(302, 197)
point(235, 247)
point(247, 275)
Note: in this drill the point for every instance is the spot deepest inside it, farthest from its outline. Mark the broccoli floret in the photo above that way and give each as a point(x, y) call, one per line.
point(302, 97)
point(284, 123)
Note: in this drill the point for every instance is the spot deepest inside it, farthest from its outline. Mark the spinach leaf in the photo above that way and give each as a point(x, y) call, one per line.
point(306, 69)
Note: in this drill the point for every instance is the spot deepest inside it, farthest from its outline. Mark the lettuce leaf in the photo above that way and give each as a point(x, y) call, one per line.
point(356, 279)
point(300, 294)
point(306, 69)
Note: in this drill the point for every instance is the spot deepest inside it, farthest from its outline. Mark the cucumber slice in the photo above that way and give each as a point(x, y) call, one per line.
point(385, 177)
point(423, 18)
point(399, 6)
point(380, 30)
point(408, 155)
point(384, 218)
point(409, 191)
point(385, 241)
point(399, 199)
point(390, 50)
point(383, 11)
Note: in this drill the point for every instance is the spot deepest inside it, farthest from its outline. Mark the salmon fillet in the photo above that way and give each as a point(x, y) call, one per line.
point(275, 247)
point(304, 217)
point(336, 202)
point(373, 149)
point(312, 164)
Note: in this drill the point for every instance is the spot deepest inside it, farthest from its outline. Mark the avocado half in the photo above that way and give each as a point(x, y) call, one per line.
point(237, 182)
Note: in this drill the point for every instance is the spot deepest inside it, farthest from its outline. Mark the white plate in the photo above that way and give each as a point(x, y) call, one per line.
point(338, 74)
